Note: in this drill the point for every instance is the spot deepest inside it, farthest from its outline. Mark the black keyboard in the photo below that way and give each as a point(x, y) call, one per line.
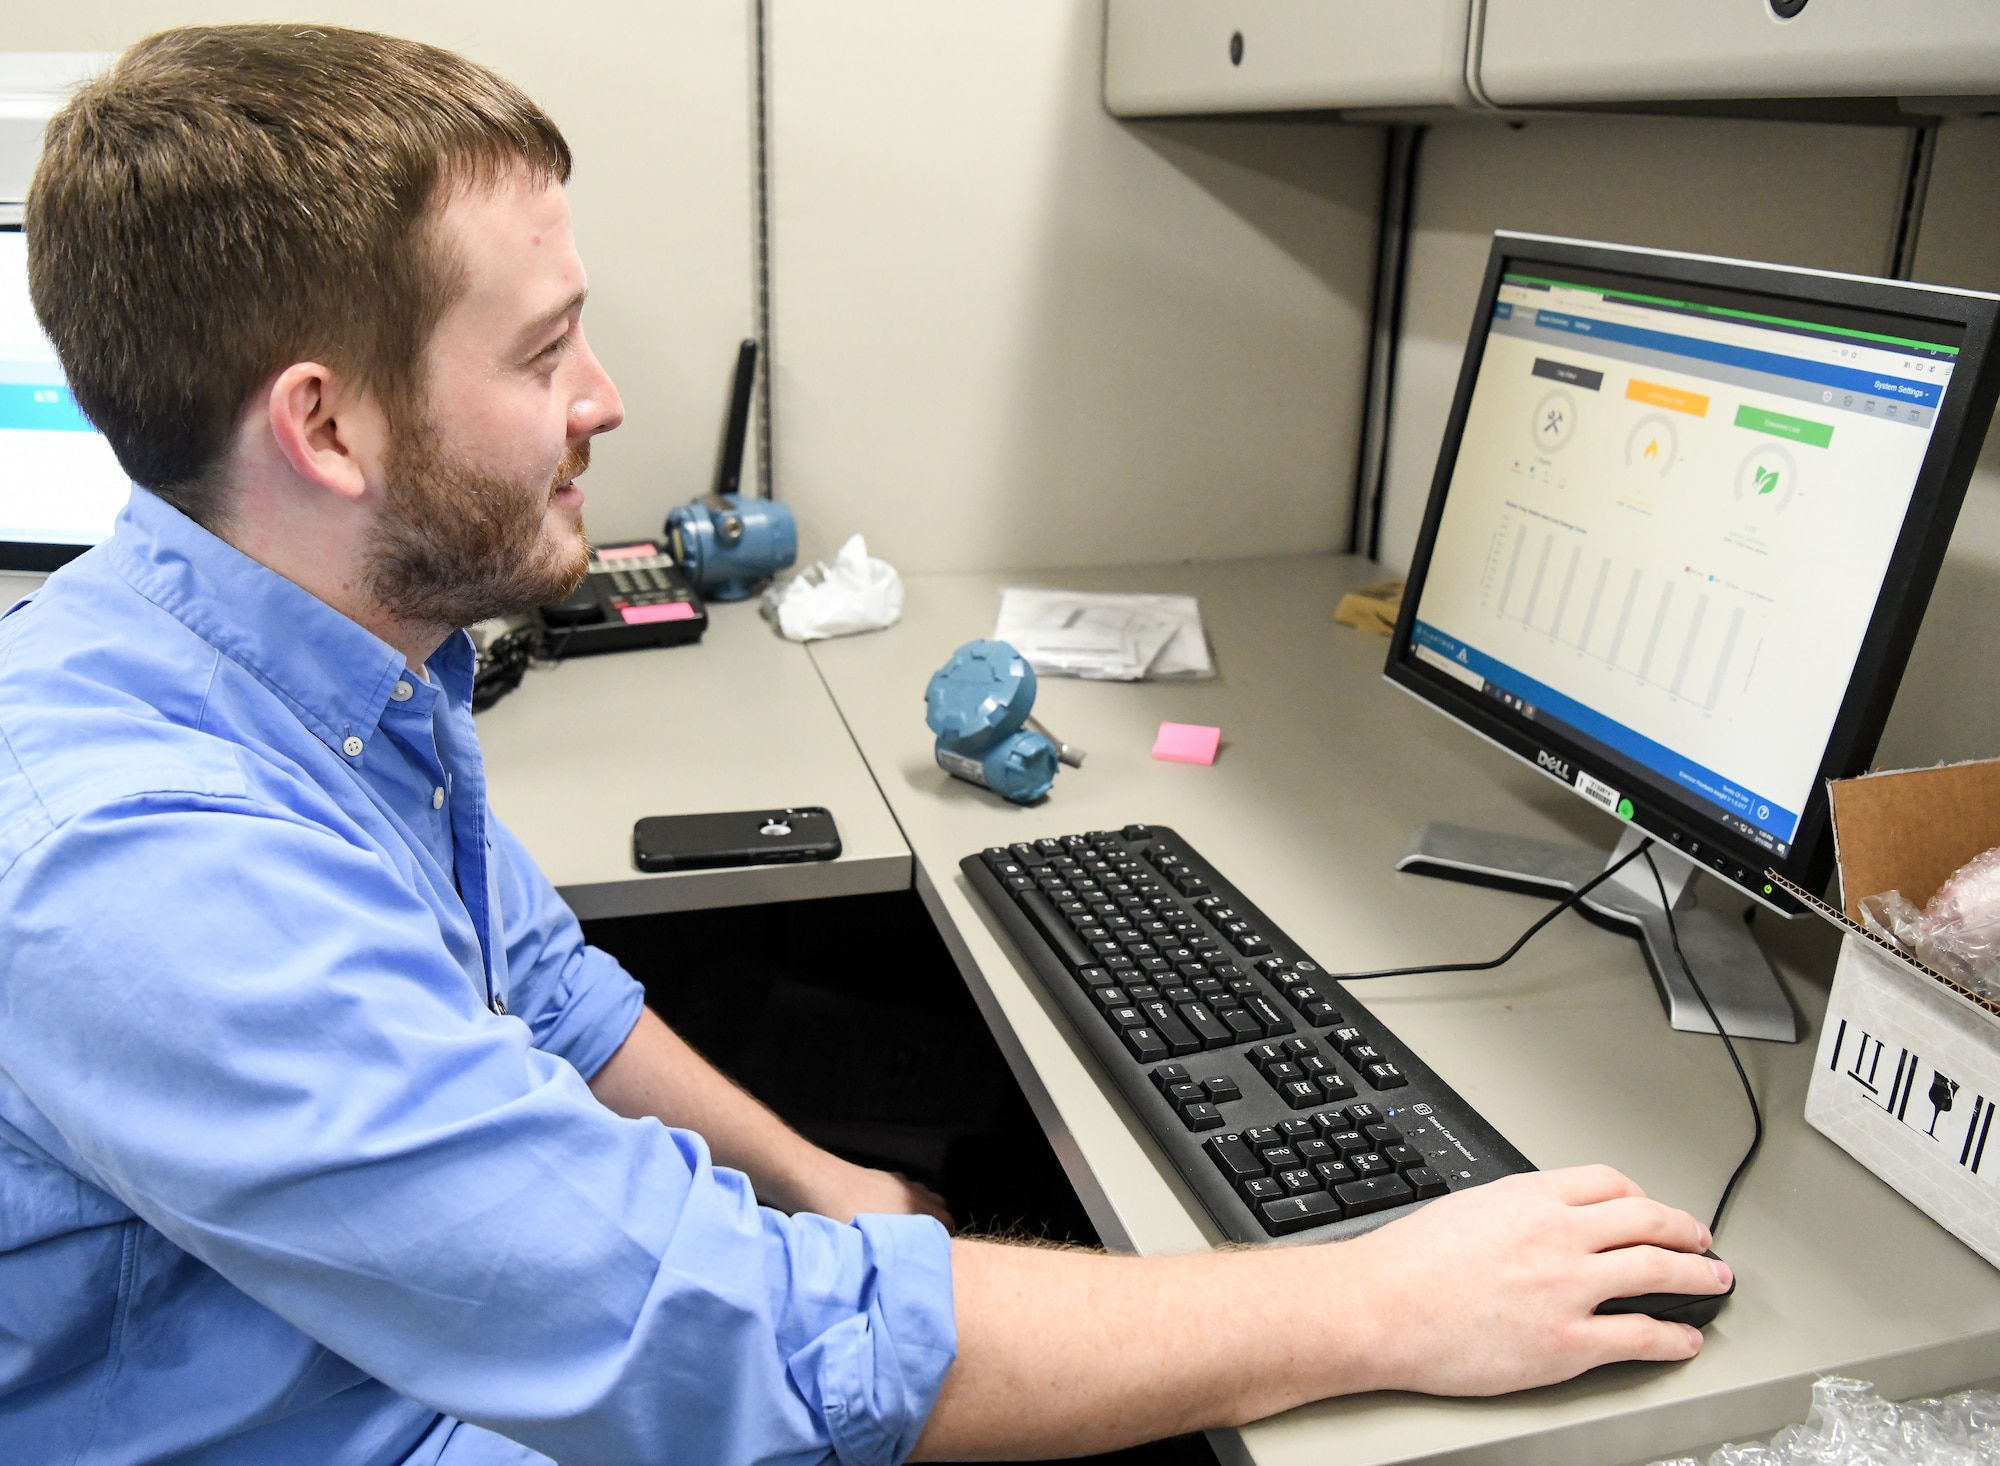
point(1285, 1104)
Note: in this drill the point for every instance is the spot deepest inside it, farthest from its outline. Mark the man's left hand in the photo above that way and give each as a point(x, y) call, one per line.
point(842, 1190)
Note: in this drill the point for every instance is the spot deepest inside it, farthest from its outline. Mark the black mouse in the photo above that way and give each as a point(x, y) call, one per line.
point(1698, 1309)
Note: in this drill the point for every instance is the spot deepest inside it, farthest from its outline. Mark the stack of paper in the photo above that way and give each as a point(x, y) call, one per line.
point(1112, 638)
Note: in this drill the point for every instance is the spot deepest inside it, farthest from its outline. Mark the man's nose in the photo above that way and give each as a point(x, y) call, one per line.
point(599, 408)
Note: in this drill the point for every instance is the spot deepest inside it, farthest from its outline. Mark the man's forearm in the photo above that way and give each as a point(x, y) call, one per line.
point(655, 1073)
point(1487, 1290)
point(1065, 1352)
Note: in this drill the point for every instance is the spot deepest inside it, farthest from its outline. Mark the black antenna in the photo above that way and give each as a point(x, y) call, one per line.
point(729, 472)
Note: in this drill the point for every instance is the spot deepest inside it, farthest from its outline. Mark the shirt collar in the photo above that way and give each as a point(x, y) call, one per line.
point(331, 671)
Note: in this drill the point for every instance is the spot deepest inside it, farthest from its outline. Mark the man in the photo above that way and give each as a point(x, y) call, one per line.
point(323, 1135)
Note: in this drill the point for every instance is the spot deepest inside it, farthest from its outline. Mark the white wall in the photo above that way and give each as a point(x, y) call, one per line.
point(1949, 706)
point(1825, 196)
point(655, 100)
point(1010, 331)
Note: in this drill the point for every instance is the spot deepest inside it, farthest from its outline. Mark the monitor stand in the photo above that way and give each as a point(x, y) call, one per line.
point(1725, 957)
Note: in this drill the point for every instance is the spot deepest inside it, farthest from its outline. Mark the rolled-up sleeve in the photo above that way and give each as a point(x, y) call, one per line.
point(271, 1058)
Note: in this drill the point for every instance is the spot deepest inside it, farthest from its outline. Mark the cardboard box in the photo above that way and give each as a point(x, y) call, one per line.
point(1908, 1073)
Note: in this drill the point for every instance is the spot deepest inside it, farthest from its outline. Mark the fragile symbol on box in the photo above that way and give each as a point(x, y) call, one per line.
point(1864, 1068)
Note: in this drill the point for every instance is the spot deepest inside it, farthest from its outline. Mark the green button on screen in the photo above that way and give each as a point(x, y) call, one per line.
point(1792, 429)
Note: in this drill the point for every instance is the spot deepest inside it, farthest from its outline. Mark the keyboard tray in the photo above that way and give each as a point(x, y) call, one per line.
point(1232, 1001)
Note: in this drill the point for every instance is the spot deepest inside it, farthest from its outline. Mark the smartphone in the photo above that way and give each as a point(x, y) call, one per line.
point(743, 837)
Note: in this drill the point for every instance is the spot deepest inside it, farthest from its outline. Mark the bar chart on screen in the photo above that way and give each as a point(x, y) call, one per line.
point(1676, 628)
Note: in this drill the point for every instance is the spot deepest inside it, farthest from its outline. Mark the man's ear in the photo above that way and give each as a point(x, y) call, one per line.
point(331, 434)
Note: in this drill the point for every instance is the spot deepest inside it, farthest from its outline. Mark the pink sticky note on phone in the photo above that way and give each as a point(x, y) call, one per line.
point(667, 611)
point(1187, 743)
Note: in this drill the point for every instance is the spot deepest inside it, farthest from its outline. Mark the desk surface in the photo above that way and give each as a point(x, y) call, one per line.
point(1324, 772)
point(739, 720)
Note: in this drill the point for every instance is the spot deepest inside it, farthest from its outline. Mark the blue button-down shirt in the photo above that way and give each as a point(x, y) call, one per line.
point(297, 1158)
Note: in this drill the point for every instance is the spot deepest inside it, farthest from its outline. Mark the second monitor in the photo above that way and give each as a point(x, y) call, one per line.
point(1686, 518)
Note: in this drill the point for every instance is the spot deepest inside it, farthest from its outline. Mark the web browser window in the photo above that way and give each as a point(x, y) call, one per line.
point(60, 484)
point(1668, 524)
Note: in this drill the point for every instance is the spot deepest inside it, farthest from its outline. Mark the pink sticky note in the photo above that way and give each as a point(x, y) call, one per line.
point(645, 549)
point(1187, 743)
point(665, 611)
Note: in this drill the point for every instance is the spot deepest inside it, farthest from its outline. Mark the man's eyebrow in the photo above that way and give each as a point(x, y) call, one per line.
point(547, 319)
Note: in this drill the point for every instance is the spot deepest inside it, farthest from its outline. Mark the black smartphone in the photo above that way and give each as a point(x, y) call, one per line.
point(742, 837)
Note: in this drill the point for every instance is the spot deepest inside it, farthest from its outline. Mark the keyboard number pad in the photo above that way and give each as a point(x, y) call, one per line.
point(1293, 1185)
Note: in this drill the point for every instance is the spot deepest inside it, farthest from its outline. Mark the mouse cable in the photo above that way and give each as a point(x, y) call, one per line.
point(1507, 956)
point(1756, 1114)
point(1673, 932)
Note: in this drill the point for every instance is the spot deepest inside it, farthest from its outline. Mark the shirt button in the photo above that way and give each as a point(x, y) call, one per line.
point(437, 797)
point(500, 1004)
point(352, 748)
point(402, 691)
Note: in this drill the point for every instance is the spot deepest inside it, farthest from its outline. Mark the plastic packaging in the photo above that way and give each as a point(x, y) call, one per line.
point(854, 593)
point(1851, 1425)
point(1958, 933)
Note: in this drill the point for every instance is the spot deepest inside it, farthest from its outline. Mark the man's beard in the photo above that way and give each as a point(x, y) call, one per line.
point(456, 544)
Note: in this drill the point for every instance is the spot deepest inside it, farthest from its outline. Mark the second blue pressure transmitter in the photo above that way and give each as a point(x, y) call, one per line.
point(978, 704)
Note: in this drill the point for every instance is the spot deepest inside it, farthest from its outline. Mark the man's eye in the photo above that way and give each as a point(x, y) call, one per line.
point(554, 349)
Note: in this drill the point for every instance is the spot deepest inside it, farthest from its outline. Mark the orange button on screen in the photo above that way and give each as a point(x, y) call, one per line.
point(1672, 398)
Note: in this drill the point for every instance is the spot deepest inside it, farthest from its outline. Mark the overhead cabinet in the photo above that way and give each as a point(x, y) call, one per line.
point(1556, 52)
point(1206, 56)
point(1164, 57)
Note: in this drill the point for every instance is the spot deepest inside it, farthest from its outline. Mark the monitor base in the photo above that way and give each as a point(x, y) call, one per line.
point(1725, 957)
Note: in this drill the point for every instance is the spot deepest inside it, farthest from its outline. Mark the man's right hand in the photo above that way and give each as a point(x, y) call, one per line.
point(1495, 1288)
point(1487, 1290)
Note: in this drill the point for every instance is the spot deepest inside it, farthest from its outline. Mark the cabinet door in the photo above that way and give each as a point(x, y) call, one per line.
point(1555, 51)
point(1164, 57)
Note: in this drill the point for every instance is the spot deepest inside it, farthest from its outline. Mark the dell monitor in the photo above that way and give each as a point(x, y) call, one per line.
point(60, 484)
point(1685, 520)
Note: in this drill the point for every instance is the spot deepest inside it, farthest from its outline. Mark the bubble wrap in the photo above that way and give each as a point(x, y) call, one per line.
point(1958, 934)
point(1851, 1425)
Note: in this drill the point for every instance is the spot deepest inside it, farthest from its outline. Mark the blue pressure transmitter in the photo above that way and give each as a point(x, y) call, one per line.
point(727, 542)
point(976, 704)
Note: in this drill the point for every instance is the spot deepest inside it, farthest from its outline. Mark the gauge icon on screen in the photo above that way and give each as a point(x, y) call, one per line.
point(1653, 445)
point(1767, 479)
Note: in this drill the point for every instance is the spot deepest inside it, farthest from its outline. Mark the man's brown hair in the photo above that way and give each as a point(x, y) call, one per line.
point(228, 200)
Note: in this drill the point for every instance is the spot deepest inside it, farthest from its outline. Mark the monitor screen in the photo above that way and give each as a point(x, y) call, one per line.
point(60, 485)
point(1667, 523)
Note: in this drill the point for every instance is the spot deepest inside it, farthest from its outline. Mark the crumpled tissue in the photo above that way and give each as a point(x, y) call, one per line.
point(854, 593)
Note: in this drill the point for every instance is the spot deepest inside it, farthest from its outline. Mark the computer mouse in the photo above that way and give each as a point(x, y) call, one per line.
point(1698, 1309)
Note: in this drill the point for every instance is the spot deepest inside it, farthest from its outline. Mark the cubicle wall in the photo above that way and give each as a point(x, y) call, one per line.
point(655, 100)
point(1949, 707)
point(1012, 331)
point(1822, 195)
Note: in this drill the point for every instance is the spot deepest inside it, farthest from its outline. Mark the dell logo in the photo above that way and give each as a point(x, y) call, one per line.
point(1557, 766)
